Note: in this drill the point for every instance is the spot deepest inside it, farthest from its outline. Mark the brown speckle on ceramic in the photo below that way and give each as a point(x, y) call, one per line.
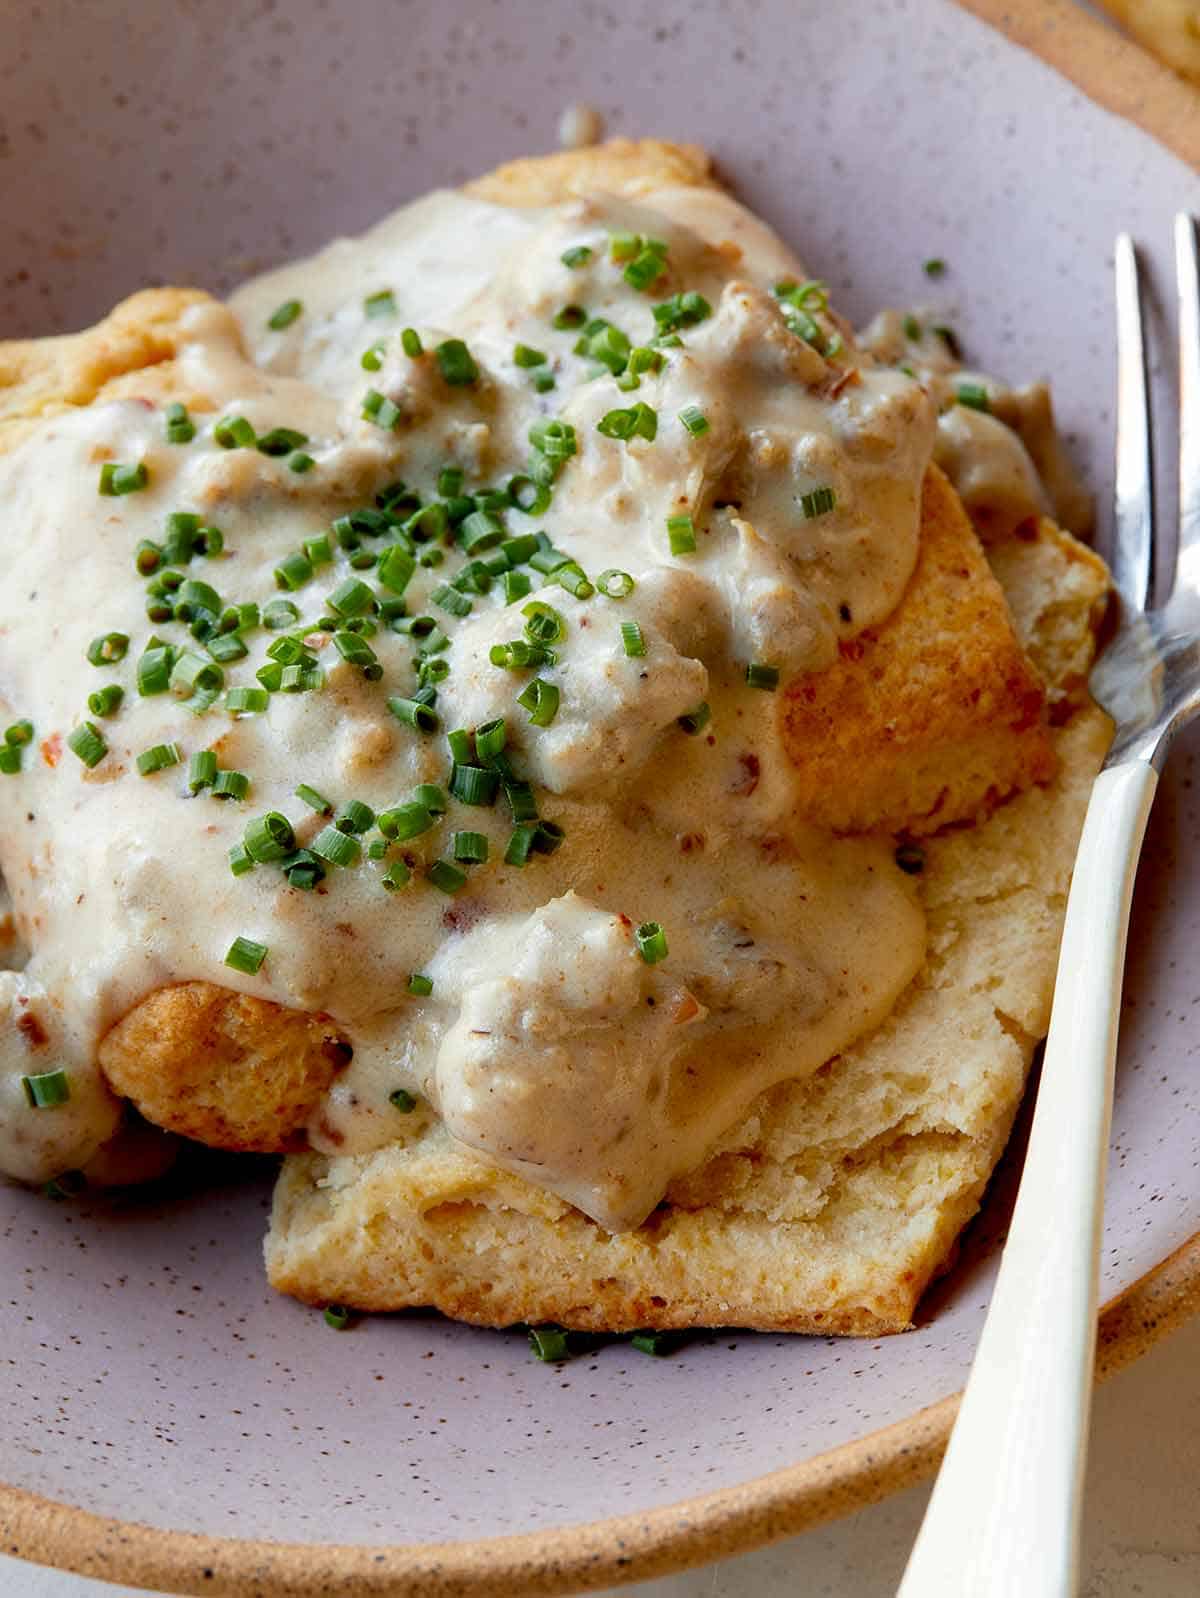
point(150, 1375)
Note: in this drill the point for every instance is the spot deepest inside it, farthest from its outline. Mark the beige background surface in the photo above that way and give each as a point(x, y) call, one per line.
point(1142, 1531)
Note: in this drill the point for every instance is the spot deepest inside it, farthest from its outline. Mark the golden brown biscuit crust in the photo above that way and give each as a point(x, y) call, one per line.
point(224, 1068)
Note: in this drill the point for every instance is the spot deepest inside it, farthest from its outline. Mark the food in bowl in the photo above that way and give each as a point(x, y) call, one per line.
point(512, 715)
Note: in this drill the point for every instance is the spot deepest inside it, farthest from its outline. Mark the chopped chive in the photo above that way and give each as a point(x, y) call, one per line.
point(280, 441)
point(372, 358)
point(355, 651)
point(47, 1089)
point(431, 796)
point(912, 328)
point(410, 343)
point(245, 955)
point(314, 799)
point(651, 942)
point(284, 315)
point(520, 843)
point(639, 421)
point(231, 785)
point(818, 503)
point(154, 668)
point(202, 770)
point(382, 303)
point(445, 876)
point(456, 362)
point(180, 427)
point(543, 382)
point(247, 701)
point(694, 721)
point(569, 317)
point(681, 310)
point(403, 1101)
point(268, 837)
point(460, 746)
point(973, 395)
point(117, 479)
point(396, 876)
point(549, 1343)
point(694, 419)
point(647, 266)
point(383, 412)
point(88, 743)
point(526, 356)
point(657, 1344)
point(474, 785)
point(553, 438)
point(420, 985)
point(293, 571)
point(106, 701)
point(615, 584)
point(406, 821)
point(19, 734)
point(934, 266)
point(226, 647)
point(338, 847)
point(522, 805)
point(759, 675)
point(490, 738)
point(632, 639)
point(450, 600)
point(279, 613)
point(147, 557)
point(543, 624)
point(470, 847)
point(351, 598)
point(681, 535)
point(234, 432)
point(157, 758)
point(239, 861)
point(578, 255)
point(10, 760)
point(354, 816)
point(415, 714)
point(541, 699)
point(516, 586)
point(201, 679)
point(337, 1316)
point(108, 649)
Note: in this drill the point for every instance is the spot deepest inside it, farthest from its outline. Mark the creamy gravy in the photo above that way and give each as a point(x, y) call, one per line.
point(547, 1043)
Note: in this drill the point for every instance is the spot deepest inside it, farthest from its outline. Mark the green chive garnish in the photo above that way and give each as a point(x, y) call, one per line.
point(337, 1316)
point(117, 479)
point(421, 986)
point(403, 1101)
point(410, 343)
point(471, 847)
point(382, 303)
point(354, 816)
point(245, 955)
point(338, 847)
point(314, 799)
point(759, 675)
point(681, 535)
point(202, 770)
point(651, 942)
point(632, 639)
point(372, 358)
point(280, 441)
point(578, 255)
point(456, 362)
point(247, 701)
point(106, 701)
point(694, 419)
point(934, 266)
point(234, 432)
point(569, 318)
point(445, 876)
point(88, 743)
point(639, 421)
point(541, 699)
point(974, 395)
point(47, 1089)
point(549, 1343)
point(180, 427)
point(474, 785)
point(108, 650)
point(239, 861)
point(232, 785)
point(158, 758)
point(525, 355)
point(694, 721)
point(284, 315)
point(817, 503)
point(415, 714)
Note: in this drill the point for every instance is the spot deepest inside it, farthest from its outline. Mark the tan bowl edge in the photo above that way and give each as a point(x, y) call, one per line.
point(1108, 66)
point(1123, 78)
point(573, 1558)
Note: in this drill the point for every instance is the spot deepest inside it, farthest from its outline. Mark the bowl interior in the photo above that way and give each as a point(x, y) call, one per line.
point(152, 1374)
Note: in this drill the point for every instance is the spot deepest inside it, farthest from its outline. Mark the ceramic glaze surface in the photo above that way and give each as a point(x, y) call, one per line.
point(149, 1371)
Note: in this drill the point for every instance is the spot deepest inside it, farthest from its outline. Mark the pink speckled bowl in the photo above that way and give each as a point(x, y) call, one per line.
point(152, 1377)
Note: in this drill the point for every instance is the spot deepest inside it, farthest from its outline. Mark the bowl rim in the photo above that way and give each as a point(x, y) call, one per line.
point(564, 1559)
point(1123, 78)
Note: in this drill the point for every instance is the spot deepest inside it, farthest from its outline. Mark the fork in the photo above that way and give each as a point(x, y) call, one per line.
point(1003, 1520)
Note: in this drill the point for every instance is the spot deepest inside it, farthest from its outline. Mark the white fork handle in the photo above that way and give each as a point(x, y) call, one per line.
point(1003, 1521)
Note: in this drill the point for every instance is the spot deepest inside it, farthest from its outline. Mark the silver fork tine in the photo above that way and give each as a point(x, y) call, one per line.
point(1133, 544)
point(1187, 278)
